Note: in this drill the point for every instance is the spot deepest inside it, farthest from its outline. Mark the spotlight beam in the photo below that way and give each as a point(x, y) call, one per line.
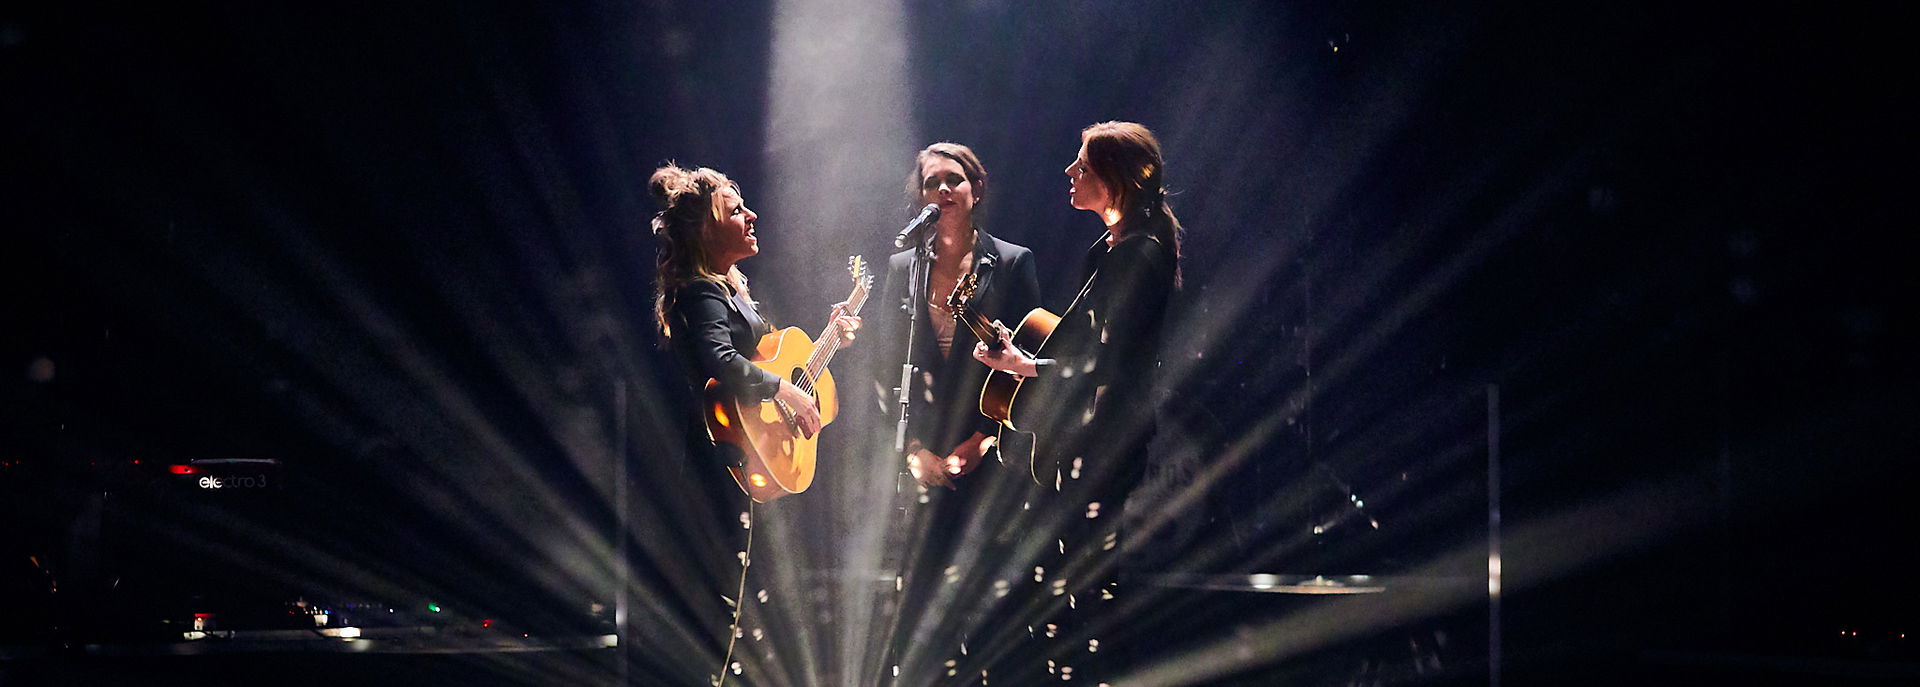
point(838, 128)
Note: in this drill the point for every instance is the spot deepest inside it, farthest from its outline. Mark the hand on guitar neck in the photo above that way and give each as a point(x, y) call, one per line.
point(1000, 354)
point(996, 348)
point(797, 402)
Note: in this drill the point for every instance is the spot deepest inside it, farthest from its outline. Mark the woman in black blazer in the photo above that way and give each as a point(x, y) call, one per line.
point(702, 303)
point(940, 609)
point(1099, 366)
point(948, 436)
point(712, 325)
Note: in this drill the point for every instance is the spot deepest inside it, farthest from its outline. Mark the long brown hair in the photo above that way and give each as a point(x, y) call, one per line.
point(690, 202)
point(1126, 157)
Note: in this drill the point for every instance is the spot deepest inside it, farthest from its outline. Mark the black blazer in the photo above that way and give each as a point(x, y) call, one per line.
point(714, 335)
point(1106, 352)
point(945, 399)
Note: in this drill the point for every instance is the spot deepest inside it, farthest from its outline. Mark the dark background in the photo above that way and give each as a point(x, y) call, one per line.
point(400, 249)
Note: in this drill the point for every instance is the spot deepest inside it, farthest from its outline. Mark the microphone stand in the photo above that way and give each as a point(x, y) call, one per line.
point(918, 272)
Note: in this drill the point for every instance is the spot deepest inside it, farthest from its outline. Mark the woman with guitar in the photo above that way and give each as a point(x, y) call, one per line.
point(1092, 385)
point(714, 329)
point(702, 305)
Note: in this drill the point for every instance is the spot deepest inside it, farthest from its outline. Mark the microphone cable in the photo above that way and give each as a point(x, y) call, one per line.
point(739, 600)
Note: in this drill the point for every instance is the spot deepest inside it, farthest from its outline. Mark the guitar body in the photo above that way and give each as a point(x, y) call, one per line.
point(1020, 404)
point(775, 459)
point(1000, 397)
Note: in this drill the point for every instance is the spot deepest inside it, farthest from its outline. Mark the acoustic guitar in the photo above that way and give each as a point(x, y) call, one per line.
point(775, 460)
point(1001, 396)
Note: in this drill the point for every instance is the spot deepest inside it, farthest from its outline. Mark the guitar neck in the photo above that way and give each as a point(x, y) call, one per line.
point(830, 339)
point(981, 328)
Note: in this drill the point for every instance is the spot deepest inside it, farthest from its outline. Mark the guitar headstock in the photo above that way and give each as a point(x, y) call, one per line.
point(857, 269)
point(960, 305)
point(963, 291)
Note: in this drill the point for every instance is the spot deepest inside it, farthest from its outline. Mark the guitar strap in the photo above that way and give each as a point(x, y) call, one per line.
point(1074, 307)
point(1020, 444)
point(1028, 440)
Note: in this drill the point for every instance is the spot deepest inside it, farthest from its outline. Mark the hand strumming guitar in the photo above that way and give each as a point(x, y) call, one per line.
point(806, 413)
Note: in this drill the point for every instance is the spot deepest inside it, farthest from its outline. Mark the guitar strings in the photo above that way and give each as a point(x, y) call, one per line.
point(829, 344)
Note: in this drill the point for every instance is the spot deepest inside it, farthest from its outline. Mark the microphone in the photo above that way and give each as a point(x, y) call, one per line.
point(928, 215)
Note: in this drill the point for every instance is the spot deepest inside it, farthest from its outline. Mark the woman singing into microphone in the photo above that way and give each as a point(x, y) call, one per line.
point(949, 443)
point(947, 435)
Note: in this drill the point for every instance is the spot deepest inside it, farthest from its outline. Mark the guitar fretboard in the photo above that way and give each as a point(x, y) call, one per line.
point(830, 340)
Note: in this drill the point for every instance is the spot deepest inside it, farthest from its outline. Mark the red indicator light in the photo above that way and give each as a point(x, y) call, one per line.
point(183, 469)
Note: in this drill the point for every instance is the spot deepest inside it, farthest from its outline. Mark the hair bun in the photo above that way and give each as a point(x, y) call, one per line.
point(668, 182)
